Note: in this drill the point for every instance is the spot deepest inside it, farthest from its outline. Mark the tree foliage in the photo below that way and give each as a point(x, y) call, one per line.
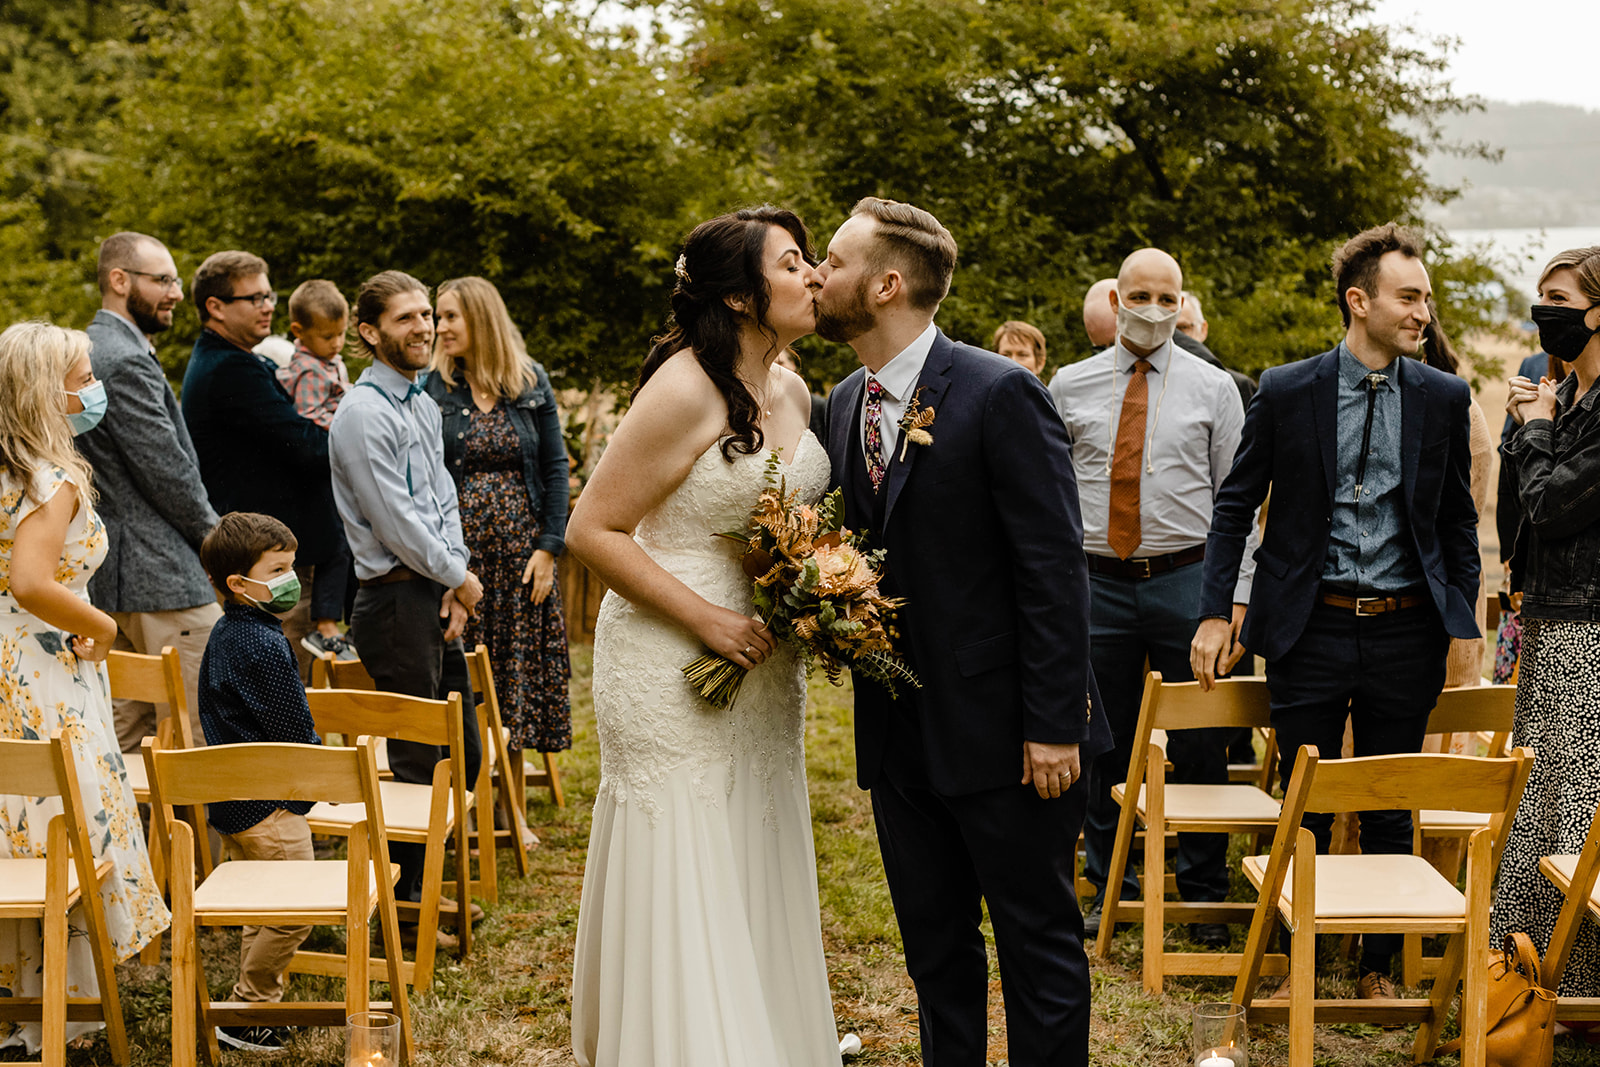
point(563, 156)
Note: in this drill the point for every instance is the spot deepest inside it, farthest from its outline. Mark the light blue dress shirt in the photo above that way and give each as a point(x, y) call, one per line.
point(397, 501)
point(1370, 547)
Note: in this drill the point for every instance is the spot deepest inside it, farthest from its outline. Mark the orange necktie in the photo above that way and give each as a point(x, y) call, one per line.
point(1122, 532)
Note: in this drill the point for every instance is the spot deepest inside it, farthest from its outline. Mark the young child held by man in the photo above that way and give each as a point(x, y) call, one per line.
point(250, 690)
point(316, 379)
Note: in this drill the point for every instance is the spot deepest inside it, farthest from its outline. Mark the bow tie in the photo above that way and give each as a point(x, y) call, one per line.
point(415, 389)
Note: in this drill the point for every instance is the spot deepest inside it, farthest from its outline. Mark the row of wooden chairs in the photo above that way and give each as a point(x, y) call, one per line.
point(423, 814)
point(1450, 796)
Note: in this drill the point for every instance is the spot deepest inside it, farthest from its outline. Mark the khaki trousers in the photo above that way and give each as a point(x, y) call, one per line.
point(148, 632)
point(264, 951)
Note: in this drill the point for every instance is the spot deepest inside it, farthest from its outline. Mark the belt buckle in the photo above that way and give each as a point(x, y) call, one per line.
point(1362, 600)
point(1145, 563)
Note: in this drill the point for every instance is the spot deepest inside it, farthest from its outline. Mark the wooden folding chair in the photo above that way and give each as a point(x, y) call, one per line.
point(48, 889)
point(1263, 772)
point(1575, 876)
point(413, 813)
point(276, 892)
point(1481, 710)
point(1147, 799)
point(158, 680)
point(330, 672)
point(1381, 894)
point(512, 797)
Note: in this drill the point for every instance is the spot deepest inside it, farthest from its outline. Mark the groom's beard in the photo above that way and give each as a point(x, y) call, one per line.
point(845, 324)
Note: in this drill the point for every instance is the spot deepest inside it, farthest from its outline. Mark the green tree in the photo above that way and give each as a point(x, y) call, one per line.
point(1055, 137)
point(510, 140)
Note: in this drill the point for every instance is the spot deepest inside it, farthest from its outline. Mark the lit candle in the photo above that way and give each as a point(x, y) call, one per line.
point(1215, 1058)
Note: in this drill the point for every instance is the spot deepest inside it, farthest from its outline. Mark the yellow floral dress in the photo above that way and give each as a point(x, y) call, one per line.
point(44, 687)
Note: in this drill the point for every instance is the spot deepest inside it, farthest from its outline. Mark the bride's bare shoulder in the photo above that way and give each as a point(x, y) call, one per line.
point(680, 381)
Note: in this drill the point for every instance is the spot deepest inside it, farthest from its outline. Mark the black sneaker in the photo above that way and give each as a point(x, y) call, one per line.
point(1091, 918)
point(340, 646)
point(1209, 935)
point(253, 1038)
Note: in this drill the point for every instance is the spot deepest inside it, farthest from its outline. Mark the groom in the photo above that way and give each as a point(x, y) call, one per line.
point(977, 777)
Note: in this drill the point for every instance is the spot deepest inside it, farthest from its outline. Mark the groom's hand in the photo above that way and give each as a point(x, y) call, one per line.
point(1051, 769)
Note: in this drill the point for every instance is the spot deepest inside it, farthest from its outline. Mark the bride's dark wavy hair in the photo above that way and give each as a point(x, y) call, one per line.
point(722, 257)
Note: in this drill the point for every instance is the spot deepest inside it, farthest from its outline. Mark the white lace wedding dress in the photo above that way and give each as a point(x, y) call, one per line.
point(699, 939)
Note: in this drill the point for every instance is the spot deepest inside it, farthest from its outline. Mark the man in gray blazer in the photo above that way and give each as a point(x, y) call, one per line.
point(151, 497)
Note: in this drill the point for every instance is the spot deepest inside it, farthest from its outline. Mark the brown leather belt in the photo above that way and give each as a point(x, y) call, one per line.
point(399, 574)
point(1146, 566)
point(1372, 605)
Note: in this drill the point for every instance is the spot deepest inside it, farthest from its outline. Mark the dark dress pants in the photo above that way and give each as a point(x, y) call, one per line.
point(396, 627)
point(946, 856)
point(1131, 620)
point(1383, 673)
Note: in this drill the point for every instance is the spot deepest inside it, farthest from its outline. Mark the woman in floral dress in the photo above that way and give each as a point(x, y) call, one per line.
point(53, 644)
point(504, 447)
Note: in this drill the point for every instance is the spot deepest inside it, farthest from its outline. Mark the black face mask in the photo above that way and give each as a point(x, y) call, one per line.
point(1562, 331)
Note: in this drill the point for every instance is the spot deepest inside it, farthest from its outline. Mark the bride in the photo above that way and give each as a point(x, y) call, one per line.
point(699, 940)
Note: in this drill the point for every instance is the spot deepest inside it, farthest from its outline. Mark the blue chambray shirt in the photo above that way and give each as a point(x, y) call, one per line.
point(1370, 547)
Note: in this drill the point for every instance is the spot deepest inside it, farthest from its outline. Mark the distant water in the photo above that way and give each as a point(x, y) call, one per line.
point(1523, 253)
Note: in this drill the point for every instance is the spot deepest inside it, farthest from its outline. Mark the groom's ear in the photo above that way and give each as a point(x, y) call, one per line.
point(890, 286)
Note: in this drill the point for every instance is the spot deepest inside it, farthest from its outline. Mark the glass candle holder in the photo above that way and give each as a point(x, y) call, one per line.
point(1220, 1036)
point(372, 1039)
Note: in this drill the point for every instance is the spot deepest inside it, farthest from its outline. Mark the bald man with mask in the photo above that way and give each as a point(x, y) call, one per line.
point(1153, 432)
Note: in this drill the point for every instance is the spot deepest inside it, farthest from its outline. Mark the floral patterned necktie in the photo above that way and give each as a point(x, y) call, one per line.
point(874, 413)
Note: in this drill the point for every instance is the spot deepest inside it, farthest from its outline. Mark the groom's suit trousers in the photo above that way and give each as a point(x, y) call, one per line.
point(945, 856)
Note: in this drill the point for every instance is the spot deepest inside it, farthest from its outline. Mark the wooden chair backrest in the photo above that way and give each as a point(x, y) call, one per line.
point(1574, 909)
point(1471, 709)
point(47, 769)
point(154, 680)
point(328, 672)
point(353, 712)
point(481, 674)
point(1182, 706)
point(259, 771)
point(1422, 780)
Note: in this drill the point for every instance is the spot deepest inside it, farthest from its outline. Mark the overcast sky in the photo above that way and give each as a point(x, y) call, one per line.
point(1532, 50)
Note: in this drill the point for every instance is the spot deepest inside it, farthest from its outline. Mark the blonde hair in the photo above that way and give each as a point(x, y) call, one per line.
point(1584, 262)
point(1017, 330)
point(500, 360)
point(35, 435)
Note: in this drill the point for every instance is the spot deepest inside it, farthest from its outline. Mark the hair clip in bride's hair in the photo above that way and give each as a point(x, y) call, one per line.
point(681, 268)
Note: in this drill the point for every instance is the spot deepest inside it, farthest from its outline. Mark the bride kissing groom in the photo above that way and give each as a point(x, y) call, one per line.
point(699, 940)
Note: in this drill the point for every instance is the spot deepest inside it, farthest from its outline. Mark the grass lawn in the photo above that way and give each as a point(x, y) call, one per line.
point(508, 1004)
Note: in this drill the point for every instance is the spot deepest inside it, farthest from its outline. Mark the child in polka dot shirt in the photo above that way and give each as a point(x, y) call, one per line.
point(250, 690)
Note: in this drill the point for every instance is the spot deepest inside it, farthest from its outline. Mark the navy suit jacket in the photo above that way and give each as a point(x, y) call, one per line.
point(986, 545)
point(1290, 437)
point(256, 452)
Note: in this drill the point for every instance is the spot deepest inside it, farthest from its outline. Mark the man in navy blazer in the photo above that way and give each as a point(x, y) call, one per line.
point(976, 776)
point(1369, 562)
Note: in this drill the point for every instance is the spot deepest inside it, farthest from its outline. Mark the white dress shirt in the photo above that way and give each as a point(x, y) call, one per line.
point(1192, 425)
point(898, 377)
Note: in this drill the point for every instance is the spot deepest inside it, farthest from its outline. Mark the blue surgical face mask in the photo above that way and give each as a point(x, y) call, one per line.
point(93, 399)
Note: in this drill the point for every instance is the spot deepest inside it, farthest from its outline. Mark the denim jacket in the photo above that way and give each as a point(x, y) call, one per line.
point(544, 449)
point(1557, 466)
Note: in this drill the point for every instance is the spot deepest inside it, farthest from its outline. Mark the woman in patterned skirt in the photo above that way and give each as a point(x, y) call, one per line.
point(1555, 454)
point(53, 644)
point(504, 448)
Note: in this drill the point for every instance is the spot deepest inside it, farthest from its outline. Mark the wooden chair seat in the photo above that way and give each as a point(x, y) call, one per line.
point(1577, 878)
point(22, 886)
point(1452, 823)
point(1561, 870)
point(303, 887)
point(138, 779)
point(1222, 807)
point(406, 810)
point(1363, 887)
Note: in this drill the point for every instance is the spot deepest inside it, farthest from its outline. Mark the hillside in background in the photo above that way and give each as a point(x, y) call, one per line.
point(1546, 176)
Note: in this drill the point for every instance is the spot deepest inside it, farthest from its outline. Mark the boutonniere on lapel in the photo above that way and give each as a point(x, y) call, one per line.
point(914, 424)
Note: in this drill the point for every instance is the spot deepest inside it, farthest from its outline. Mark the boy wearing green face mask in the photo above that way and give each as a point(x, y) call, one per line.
point(250, 690)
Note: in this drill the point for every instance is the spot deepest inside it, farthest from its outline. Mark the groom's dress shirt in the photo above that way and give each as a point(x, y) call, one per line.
point(1194, 422)
point(898, 378)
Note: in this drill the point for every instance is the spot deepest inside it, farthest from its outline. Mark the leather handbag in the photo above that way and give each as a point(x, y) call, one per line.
point(1522, 1013)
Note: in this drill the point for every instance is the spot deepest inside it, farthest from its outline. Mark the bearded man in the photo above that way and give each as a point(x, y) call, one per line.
point(400, 513)
point(152, 499)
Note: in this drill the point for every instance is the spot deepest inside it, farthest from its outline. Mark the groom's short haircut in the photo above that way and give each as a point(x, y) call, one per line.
point(912, 241)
